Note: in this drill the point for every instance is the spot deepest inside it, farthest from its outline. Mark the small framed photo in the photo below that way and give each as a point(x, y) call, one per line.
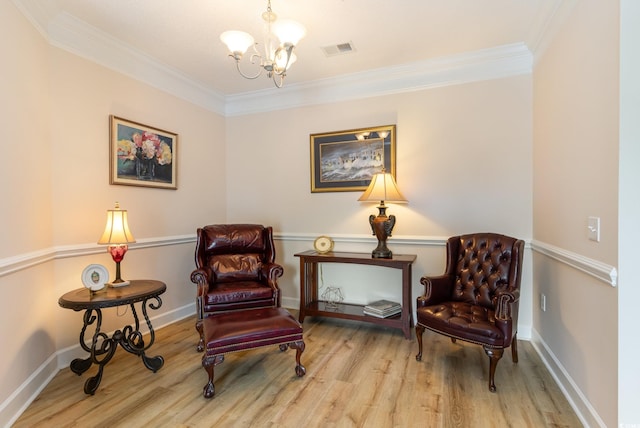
point(345, 161)
point(141, 155)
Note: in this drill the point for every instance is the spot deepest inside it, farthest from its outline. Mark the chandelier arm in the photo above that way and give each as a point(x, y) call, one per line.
point(278, 79)
point(252, 60)
point(288, 49)
point(246, 76)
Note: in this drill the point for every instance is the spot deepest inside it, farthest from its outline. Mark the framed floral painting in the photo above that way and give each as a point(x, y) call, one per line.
point(141, 155)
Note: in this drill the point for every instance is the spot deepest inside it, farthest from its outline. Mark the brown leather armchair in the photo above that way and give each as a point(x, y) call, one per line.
point(477, 298)
point(235, 270)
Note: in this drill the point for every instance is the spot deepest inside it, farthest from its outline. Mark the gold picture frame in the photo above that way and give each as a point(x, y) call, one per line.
point(141, 155)
point(345, 161)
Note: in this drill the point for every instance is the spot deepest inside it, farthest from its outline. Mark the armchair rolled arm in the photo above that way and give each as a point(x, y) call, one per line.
point(272, 271)
point(504, 301)
point(202, 277)
point(436, 289)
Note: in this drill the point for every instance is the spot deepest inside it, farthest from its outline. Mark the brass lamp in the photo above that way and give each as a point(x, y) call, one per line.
point(117, 236)
point(382, 188)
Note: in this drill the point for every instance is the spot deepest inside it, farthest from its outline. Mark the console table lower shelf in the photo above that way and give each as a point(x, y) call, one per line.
point(349, 311)
point(311, 305)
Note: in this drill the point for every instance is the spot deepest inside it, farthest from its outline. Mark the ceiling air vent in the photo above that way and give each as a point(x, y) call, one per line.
point(339, 49)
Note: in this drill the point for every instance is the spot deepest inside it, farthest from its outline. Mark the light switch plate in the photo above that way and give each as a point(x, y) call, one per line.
point(593, 228)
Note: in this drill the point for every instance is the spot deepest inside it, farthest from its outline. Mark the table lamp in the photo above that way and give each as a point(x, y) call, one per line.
point(382, 188)
point(117, 236)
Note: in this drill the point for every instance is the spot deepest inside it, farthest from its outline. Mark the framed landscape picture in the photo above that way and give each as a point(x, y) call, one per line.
point(345, 161)
point(141, 155)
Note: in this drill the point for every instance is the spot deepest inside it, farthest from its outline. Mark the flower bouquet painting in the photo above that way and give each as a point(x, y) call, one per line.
point(142, 155)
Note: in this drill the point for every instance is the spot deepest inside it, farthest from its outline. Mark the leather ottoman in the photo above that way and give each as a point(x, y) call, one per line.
point(242, 330)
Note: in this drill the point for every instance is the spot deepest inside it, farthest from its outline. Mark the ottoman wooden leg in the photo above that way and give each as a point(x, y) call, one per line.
point(299, 347)
point(209, 363)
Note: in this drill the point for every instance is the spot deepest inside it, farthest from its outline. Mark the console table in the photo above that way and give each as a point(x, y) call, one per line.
point(130, 338)
point(310, 305)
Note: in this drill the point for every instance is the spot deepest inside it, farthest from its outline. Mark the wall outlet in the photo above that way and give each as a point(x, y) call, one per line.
point(543, 302)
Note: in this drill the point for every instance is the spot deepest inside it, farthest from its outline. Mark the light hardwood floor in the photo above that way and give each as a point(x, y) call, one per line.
point(358, 375)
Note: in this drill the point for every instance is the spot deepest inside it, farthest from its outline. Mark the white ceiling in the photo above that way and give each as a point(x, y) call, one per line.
point(183, 36)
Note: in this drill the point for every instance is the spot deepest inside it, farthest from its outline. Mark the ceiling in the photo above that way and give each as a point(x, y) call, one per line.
point(183, 36)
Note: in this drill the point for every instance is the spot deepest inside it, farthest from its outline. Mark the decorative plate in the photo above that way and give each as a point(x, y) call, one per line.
point(323, 244)
point(94, 277)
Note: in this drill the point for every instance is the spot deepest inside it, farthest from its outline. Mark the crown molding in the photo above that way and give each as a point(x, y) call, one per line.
point(66, 32)
point(74, 35)
point(549, 22)
point(485, 64)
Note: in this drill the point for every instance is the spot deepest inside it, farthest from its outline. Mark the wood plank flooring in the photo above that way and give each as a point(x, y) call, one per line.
point(358, 375)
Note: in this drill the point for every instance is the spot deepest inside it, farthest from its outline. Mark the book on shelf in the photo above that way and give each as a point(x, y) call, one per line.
point(385, 315)
point(382, 308)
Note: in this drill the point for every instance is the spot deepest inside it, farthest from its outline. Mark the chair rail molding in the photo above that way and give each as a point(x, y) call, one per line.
point(24, 261)
point(19, 262)
point(595, 268)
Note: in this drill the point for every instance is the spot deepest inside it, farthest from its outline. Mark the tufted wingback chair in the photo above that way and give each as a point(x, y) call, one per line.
point(477, 297)
point(235, 270)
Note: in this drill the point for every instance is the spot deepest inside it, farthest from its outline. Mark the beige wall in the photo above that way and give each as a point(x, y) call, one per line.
point(54, 112)
point(26, 150)
point(575, 153)
point(463, 162)
point(83, 96)
point(27, 334)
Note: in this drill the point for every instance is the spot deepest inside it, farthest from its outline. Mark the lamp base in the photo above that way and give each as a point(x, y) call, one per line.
point(117, 283)
point(381, 225)
point(117, 257)
point(382, 253)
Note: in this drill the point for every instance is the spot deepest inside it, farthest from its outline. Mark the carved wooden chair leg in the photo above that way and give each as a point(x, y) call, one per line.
point(200, 330)
point(514, 348)
point(284, 346)
point(419, 332)
point(494, 356)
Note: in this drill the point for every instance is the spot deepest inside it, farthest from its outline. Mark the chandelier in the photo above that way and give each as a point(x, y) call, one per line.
point(280, 39)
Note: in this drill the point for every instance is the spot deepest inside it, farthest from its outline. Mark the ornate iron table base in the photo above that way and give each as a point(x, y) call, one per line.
point(130, 338)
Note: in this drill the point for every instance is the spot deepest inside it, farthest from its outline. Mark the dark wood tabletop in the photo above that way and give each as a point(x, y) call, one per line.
point(360, 258)
point(136, 291)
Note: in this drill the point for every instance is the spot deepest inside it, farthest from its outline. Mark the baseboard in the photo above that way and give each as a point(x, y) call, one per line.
point(578, 401)
point(290, 303)
point(17, 403)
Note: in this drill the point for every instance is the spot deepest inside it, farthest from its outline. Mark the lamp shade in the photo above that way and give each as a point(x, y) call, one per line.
point(382, 188)
point(289, 32)
point(117, 230)
point(237, 41)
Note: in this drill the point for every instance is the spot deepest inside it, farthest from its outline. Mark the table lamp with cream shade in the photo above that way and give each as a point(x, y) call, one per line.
point(382, 188)
point(117, 236)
